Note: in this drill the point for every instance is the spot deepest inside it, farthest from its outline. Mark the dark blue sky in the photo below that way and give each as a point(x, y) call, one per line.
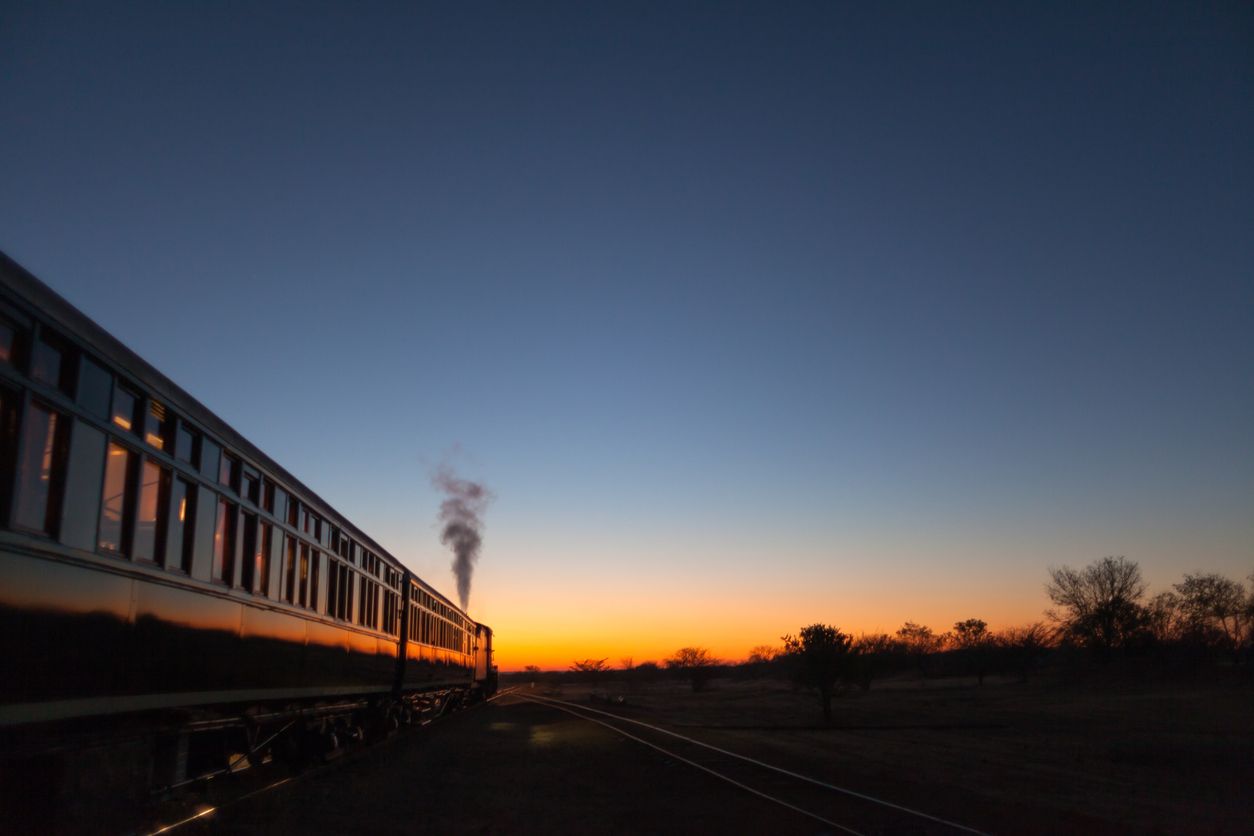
point(945, 292)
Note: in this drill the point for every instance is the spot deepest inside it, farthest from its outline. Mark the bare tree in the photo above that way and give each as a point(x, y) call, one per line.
point(1023, 646)
point(626, 663)
point(1215, 608)
point(762, 654)
point(1163, 618)
point(820, 654)
point(1099, 604)
point(697, 662)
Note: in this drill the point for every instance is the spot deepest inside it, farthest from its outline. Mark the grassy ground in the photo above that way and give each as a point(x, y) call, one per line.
point(1098, 755)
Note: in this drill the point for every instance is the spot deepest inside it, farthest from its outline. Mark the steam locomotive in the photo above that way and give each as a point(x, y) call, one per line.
point(167, 587)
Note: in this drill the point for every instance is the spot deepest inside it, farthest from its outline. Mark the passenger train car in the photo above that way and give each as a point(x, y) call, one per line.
point(164, 579)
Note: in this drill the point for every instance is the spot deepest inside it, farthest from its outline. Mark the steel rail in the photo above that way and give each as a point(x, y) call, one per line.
point(207, 810)
point(763, 764)
point(781, 802)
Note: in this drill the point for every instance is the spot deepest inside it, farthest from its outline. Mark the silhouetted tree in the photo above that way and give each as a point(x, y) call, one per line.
point(626, 663)
point(532, 671)
point(974, 643)
point(918, 642)
point(696, 662)
point(647, 670)
point(1215, 609)
point(762, 654)
point(1023, 646)
point(590, 669)
point(1099, 604)
point(820, 655)
point(872, 652)
point(1163, 618)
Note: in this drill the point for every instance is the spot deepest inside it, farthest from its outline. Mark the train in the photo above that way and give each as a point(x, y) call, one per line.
point(171, 595)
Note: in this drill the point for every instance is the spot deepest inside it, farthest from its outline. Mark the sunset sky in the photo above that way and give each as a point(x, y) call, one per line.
point(750, 315)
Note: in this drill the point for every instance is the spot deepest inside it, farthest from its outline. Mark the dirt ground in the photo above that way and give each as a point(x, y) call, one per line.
point(1096, 756)
point(508, 767)
point(1043, 757)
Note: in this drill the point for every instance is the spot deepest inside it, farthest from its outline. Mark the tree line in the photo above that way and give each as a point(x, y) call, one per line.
point(1099, 613)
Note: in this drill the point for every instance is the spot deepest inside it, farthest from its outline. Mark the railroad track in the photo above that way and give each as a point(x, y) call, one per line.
point(205, 810)
point(840, 808)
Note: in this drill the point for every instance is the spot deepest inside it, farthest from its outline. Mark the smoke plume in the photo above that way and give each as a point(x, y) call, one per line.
point(461, 513)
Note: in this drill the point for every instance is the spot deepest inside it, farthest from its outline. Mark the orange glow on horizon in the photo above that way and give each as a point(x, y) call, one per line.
point(553, 642)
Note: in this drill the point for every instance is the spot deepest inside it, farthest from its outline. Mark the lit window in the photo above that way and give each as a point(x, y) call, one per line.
point(116, 502)
point(314, 563)
point(261, 560)
point(157, 433)
point(39, 466)
point(224, 543)
point(183, 505)
point(302, 596)
point(150, 528)
point(124, 403)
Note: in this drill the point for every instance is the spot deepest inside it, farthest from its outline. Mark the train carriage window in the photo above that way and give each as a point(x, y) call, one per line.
point(280, 502)
point(210, 457)
point(52, 361)
point(95, 388)
point(248, 550)
point(250, 485)
point(157, 428)
point(185, 443)
point(125, 404)
point(9, 401)
point(12, 342)
point(228, 473)
point(80, 495)
point(289, 569)
point(346, 593)
point(224, 543)
point(333, 585)
point(315, 560)
point(40, 469)
point(302, 594)
point(117, 501)
point(181, 539)
point(261, 560)
point(154, 497)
